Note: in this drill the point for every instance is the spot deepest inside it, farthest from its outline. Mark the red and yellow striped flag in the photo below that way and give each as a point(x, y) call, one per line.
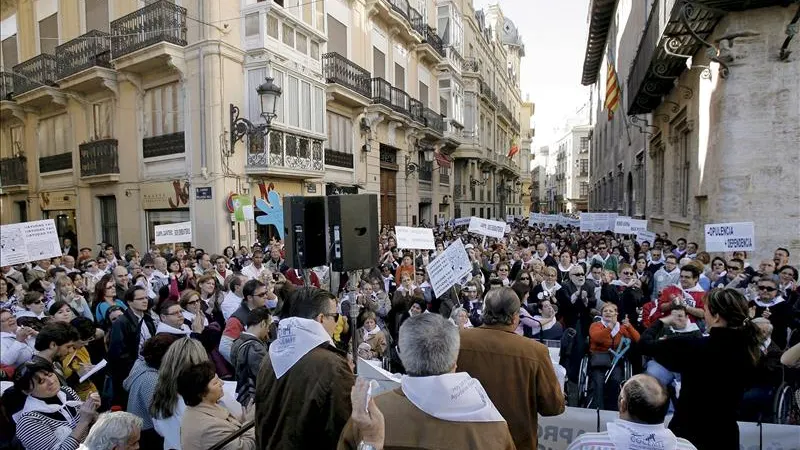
point(612, 91)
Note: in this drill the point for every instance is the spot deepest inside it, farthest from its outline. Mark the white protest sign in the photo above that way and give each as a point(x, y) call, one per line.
point(486, 227)
point(638, 225)
point(586, 221)
point(611, 221)
point(534, 219)
point(28, 241)
point(644, 235)
point(509, 218)
point(730, 237)
point(173, 233)
point(414, 238)
point(622, 225)
point(446, 269)
point(460, 222)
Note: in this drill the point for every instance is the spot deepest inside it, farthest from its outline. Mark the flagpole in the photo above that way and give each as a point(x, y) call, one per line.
point(622, 99)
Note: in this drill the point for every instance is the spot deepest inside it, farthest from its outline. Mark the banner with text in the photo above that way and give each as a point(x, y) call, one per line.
point(446, 269)
point(411, 238)
point(28, 241)
point(461, 221)
point(173, 233)
point(730, 237)
point(645, 236)
point(622, 225)
point(638, 225)
point(486, 227)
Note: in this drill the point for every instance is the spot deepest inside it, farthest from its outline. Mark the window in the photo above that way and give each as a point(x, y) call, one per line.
point(96, 15)
point(337, 36)
point(302, 43)
point(320, 16)
point(584, 189)
point(251, 24)
point(319, 110)
point(102, 120)
point(584, 167)
point(305, 102)
point(340, 133)
point(278, 2)
point(308, 12)
point(658, 175)
point(54, 135)
point(272, 27)
point(9, 47)
point(682, 167)
point(163, 110)
point(378, 63)
point(314, 52)
point(48, 34)
point(288, 35)
point(292, 101)
point(584, 145)
point(399, 77)
point(108, 220)
point(423, 93)
point(254, 78)
point(472, 212)
point(22, 211)
point(470, 109)
point(164, 217)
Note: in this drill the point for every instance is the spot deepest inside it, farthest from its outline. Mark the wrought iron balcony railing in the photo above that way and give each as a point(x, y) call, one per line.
point(89, 50)
point(338, 159)
point(35, 72)
point(416, 21)
point(6, 85)
point(401, 101)
point(416, 111)
point(401, 6)
point(61, 161)
point(99, 158)
point(433, 40)
point(286, 151)
point(162, 21)
point(444, 178)
point(470, 65)
point(13, 171)
point(426, 171)
point(340, 70)
point(434, 120)
point(381, 91)
point(166, 144)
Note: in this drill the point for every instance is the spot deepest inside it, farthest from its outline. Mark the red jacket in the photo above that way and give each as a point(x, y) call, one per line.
point(293, 277)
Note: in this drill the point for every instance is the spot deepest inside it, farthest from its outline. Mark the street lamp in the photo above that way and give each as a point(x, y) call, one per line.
point(268, 93)
point(484, 180)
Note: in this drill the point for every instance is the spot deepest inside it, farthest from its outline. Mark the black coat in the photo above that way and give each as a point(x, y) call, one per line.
point(715, 372)
point(780, 318)
point(569, 312)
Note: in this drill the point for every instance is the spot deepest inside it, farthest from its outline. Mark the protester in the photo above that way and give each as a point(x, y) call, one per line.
point(499, 358)
point(604, 336)
point(128, 334)
point(424, 406)
point(16, 342)
point(302, 390)
point(248, 351)
point(254, 295)
point(114, 431)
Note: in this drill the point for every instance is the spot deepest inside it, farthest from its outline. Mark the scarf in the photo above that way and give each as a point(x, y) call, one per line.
point(374, 332)
point(296, 337)
point(553, 289)
point(454, 397)
point(33, 404)
point(561, 268)
point(771, 304)
point(164, 328)
point(614, 330)
point(691, 326)
point(636, 436)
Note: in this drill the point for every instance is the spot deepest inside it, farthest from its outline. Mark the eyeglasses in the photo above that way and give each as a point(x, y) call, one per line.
point(192, 302)
point(767, 288)
point(259, 294)
point(578, 274)
point(627, 273)
point(734, 268)
point(148, 266)
point(334, 316)
point(176, 313)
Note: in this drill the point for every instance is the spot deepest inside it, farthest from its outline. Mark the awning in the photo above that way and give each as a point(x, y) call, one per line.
point(442, 160)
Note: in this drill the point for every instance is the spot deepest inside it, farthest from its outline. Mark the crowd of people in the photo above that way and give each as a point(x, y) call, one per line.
point(179, 348)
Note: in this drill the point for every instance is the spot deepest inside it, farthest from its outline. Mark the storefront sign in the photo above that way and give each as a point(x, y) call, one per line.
point(166, 195)
point(58, 200)
point(411, 238)
point(173, 233)
point(202, 193)
point(28, 241)
point(730, 237)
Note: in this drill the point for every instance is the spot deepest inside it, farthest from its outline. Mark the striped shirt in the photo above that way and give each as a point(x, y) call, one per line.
point(601, 441)
point(44, 431)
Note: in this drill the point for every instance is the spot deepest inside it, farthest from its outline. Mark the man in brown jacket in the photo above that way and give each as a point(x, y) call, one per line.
point(435, 407)
point(516, 371)
point(303, 388)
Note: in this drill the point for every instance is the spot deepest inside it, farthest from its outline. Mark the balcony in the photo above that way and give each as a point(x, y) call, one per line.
point(416, 111)
point(340, 71)
point(433, 120)
point(75, 58)
point(488, 94)
point(400, 101)
point(432, 48)
point(61, 161)
point(161, 24)
point(99, 161)
point(381, 92)
point(36, 72)
point(164, 145)
point(400, 15)
point(286, 154)
point(6, 85)
point(338, 159)
point(426, 172)
point(444, 178)
point(503, 112)
point(470, 66)
point(13, 174)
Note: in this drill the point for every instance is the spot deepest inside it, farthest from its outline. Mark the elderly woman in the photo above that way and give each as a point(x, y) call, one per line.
point(115, 430)
point(205, 421)
point(373, 341)
point(604, 336)
point(52, 417)
point(33, 306)
point(460, 318)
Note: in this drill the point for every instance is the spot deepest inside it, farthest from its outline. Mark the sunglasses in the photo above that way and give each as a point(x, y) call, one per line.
point(578, 274)
point(733, 268)
point(767, 288)
point(148, 267)
point(627, 273)
point(525, 279)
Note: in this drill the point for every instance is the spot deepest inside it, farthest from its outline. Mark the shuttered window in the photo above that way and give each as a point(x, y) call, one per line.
point(48, 34)
point(96, 15)
point(337, 36)
point(103, 120)
point(10, 58)
point(163, 110)
point(340, 133)
point(54, 135)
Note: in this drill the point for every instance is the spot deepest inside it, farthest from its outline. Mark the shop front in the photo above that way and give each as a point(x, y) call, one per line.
point(164, 203)
point(61, 206)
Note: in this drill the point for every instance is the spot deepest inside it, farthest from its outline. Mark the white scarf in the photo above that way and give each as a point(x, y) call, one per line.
point(771, 304)
point(454, 397)
point(636, 436)
point(691, 326)
point(614, 330)
point(374, 332)
point(296, 337)
point(552, 289)
point(621, 283)
point(164, 328)
point(33, 404)
point(190, 317)
point(546, 326)
point(561, 268)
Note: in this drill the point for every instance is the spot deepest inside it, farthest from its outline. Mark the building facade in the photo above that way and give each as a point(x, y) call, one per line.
point(570, 171)
point(708, 89)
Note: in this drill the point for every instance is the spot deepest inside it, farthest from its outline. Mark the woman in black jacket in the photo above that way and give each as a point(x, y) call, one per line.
point(715, 370)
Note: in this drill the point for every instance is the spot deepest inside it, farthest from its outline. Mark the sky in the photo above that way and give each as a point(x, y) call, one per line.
point(554, 33)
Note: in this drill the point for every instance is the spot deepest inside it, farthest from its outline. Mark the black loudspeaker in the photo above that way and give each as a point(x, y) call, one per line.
point(353, 231)
point(304, 231)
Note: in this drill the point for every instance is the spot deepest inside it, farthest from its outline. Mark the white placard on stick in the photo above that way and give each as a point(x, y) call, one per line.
point(644, 235)
point(412, 238)
point(622, 225)
point(461, 221)
point(638, 225)
point(28, 241)
point(446, 269)
point(173, 233)
point(486, 227)
point(730, 237)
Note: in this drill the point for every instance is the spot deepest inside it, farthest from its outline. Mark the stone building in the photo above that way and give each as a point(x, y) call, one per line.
point(715, 93)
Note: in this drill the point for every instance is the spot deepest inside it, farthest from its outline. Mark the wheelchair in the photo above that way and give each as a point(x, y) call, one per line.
point(786, 404)
point(585, 379)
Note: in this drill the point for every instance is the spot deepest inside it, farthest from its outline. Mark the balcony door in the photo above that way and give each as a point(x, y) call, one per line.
point(388, 197)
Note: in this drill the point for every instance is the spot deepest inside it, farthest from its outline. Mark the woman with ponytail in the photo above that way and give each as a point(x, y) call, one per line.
point(715, 369)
